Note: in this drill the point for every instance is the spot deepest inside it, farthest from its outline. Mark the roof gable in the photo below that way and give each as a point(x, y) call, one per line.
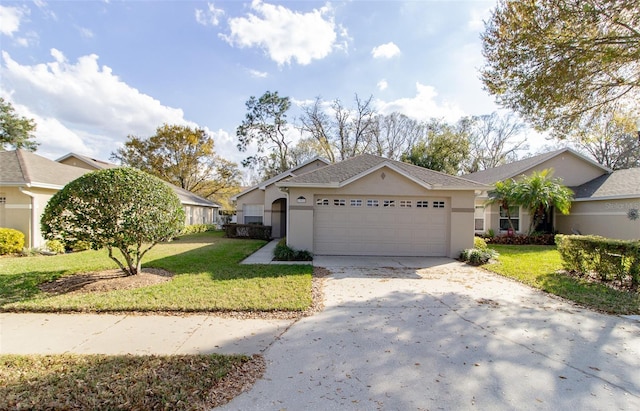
point(352, 169)
point(289, 173)
point(618, 184)
point(524, 166)
point(91, 162)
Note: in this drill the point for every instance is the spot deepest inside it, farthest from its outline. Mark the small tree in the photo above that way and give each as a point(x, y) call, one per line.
point(504, 194)
point(15, 131)
point(121, 208)
point(539, 192)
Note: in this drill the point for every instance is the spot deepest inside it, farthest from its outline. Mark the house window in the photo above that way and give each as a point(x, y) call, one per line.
point(422, 204)
point(515, 218)
point(322, 202)
point(356, 202)
point(253, 213)
point(373, 203)
point(389, 203)
point(340, 202)
point(479, 218)
point(3, 200)
point(438, 204)
point(405, 203)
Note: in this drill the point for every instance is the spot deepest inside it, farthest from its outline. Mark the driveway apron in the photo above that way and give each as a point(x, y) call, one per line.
point(447, 337)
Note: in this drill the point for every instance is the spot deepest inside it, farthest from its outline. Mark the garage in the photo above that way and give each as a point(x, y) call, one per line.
point(381, 225)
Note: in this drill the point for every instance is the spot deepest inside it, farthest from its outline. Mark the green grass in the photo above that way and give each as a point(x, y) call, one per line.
point(541, 267)
point(100, 382)
point(207, 278)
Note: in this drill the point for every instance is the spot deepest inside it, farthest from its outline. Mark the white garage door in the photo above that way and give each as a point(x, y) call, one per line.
point(385, 226)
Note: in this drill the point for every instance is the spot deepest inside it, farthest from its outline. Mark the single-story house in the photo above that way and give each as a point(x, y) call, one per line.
point(365, 205)
point(603, 198)
point(28, 181)
point(198, 210)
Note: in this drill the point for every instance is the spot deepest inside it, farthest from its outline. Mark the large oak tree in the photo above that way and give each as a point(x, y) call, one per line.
point(560, 62)
point(15, 131)
point(183, 156)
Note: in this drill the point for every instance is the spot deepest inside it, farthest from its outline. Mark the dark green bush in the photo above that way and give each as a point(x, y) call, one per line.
point(539, 239)
point(283, 252)
point(609, 259)
point(258, 232)
point(11, 241)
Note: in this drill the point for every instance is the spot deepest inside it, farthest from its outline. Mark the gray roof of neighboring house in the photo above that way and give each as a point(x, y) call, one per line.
point(620, 183)
point(344, 171)
point(517, 168)
point(22, 167)
point(97, 164)
point(185, 196)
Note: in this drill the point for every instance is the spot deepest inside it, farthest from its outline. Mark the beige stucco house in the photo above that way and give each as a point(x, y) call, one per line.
point(28, 181)
point(366, 205)
point(603, 197)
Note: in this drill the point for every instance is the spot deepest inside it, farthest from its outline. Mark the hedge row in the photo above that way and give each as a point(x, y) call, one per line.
point(609, 259)
point(197, 228)
point(255, 231)
point(283, 252)
point(538, 239)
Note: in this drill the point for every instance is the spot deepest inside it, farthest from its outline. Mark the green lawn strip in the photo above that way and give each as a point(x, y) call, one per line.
point(207, 278)
point(94, 382)
point(541, 267)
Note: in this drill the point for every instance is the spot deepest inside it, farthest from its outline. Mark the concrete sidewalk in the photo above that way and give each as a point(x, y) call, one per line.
point(135, 334)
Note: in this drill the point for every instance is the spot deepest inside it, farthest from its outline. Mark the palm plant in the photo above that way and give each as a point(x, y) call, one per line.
point(504, 194)
point(539, 192)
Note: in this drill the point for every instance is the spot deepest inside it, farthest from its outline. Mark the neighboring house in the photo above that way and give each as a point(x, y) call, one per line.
point(28, 181)
point(366, 205)
point(603, 197)
point(198, 210)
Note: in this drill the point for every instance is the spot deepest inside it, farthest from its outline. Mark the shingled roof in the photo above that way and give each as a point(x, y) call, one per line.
point(22, 167)
point(342, 173)
point(620, 184)
point(520, 167)
point(95, 163)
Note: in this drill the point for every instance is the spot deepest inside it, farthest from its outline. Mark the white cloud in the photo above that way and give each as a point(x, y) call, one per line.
point(82, 106)
point(423, 106)
point(258, 74)
point(210, 16)
point(386, 51)
point(10, 19)
point(382, 85)
point(285, 34)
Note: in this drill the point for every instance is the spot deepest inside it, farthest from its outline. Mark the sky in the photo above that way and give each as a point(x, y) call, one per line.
point(91, 73)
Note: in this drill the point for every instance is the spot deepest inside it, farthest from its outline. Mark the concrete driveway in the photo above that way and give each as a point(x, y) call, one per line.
point(446, 337)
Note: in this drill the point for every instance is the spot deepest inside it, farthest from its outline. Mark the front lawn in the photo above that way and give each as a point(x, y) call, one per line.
point(207, 278)
point(541, 267)
point(100, 382)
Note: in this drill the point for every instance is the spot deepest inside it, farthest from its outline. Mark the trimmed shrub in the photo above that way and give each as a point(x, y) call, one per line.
point(80, 246)
point(11, 241)
point(197, 228)
point(479, 243)
point(609, 259)
point(258, 232)
point(55, 246)
point(475, 256)
point(283, 252)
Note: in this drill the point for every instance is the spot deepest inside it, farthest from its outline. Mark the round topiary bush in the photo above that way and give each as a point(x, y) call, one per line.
point(118, 208)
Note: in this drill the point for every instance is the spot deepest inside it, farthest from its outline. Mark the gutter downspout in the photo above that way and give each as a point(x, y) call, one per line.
point(32, 228)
